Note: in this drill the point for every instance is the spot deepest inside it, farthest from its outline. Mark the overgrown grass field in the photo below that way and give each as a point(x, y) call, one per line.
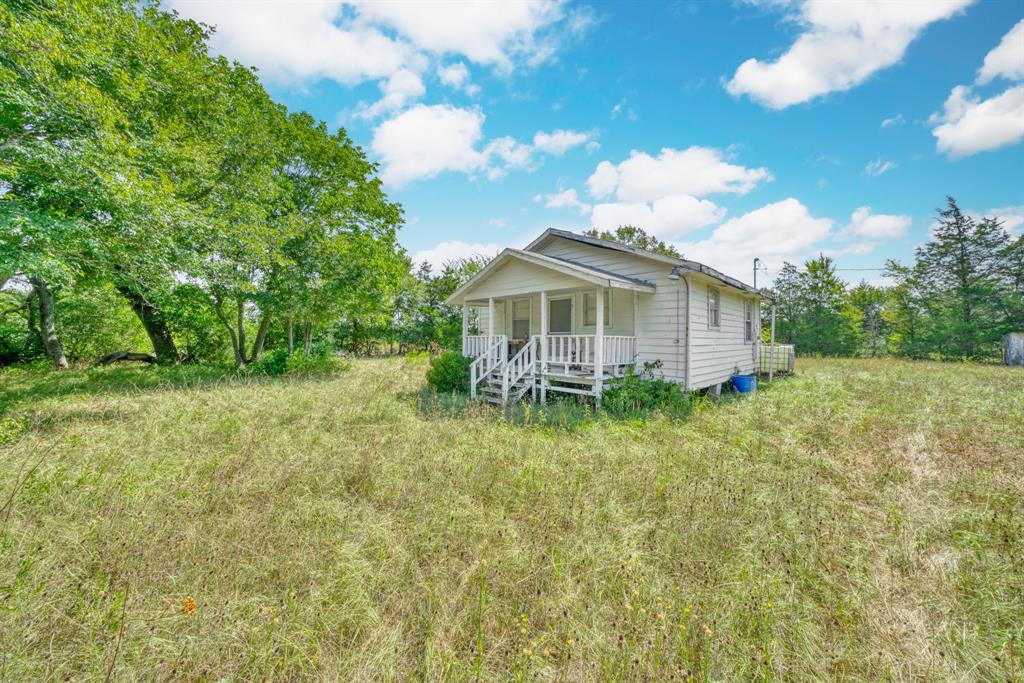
point(863, 520)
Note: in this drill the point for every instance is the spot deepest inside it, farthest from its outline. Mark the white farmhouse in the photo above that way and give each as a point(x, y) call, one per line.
point(542, 326)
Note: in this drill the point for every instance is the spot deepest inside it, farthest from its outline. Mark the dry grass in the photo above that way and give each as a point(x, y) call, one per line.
point(863, 520)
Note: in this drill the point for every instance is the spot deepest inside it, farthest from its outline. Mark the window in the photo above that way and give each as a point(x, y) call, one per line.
point(714, 308)
point(521, 319)
point(560, 316)
point(748, 321)
point(590, 309)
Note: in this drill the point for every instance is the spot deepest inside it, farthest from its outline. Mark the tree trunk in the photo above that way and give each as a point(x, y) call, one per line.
point(240, 324)
point(48, 324)
point(152, 319)
point(261, 338)
point(307, 342)
point(291, 334)
point(218, 306)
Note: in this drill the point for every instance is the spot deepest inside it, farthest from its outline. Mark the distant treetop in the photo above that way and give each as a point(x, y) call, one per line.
point(632, 236)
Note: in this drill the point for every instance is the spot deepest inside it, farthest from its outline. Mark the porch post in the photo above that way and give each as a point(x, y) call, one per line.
point(543, 347)
point(490, 318)
point(636, 345)
point(599, 347)
point(465, 326)
point(490, 329)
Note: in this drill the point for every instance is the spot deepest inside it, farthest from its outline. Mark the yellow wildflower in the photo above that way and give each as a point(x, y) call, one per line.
point(188, 605)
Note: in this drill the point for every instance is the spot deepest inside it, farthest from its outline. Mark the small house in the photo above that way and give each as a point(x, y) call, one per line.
point(569, 313)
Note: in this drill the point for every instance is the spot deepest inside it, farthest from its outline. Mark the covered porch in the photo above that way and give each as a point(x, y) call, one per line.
point(536, 324)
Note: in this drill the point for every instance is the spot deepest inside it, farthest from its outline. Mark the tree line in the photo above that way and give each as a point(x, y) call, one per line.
point(962, 293)
point(142, 177)
point(155, 199)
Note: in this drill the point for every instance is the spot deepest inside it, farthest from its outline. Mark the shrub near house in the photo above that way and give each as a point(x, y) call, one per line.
point(449, 372)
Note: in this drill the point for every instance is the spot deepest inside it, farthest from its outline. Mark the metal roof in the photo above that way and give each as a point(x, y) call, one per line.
point(686, 264)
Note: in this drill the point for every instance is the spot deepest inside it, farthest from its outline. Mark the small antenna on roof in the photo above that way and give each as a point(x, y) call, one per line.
point(756, 261)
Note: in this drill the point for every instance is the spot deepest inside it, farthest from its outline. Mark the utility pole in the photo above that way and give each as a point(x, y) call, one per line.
point(756, 261)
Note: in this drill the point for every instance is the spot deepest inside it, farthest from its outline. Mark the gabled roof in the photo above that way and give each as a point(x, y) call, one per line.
point(582, 271)
point(684, 264)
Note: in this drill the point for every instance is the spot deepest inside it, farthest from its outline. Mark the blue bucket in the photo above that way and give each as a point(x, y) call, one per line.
point(744, 384)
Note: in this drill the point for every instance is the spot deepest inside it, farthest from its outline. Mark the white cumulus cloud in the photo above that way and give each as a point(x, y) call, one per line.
point(558, 142)
point(452, 250)
point(295, 42)
point(776, 232)
point(880, 226)
point(485, 32)
point(426, 140)
point(1012, 217)
point(843, 44)
point(566, 199)
point(1006, 59)
point(969, 124)
point(668, 217)
point(454, 75)
point(694, 171)
point(403, 86)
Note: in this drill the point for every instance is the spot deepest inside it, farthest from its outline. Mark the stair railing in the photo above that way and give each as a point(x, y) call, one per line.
point(522, 363)
point(492, 358)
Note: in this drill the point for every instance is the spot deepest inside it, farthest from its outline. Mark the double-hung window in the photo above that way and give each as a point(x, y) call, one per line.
point(748, 321)
point(590, 308)
point(521, 319)
point(714, 308)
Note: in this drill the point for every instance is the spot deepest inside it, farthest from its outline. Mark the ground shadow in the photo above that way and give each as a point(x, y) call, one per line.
point(21, 387)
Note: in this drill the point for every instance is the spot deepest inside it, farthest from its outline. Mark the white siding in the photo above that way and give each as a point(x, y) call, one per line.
point(516, 277)
point(716, 352)
point(499, 317)
point(660, 322)
point(661, 317)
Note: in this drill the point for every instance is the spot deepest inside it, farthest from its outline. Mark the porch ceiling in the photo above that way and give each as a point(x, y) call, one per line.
point(515, 272)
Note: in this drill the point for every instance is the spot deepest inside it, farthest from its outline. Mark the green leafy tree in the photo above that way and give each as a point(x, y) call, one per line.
point(870, 301)
point(906, 312)
point(632, 236)
point(787, 294)
point(1011, 274)
point(424, 320)
point(829, 324)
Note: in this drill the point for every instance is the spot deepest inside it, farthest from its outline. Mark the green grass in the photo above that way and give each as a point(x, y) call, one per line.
point(863, 520)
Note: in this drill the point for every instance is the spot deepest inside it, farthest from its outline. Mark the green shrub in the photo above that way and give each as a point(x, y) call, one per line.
point(322, 360)
point(272, 363)
point(449, 372)
point(639, 394)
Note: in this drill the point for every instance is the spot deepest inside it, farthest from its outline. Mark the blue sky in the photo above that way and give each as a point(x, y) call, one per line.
point(771, 129)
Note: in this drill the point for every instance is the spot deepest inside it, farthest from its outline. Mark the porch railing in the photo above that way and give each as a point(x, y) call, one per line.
point(579, 349)
point(619, 350)
point(476, 344)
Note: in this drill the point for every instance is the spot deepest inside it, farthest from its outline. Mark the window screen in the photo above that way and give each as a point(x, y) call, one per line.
point(560, 318)
point(590, 309)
